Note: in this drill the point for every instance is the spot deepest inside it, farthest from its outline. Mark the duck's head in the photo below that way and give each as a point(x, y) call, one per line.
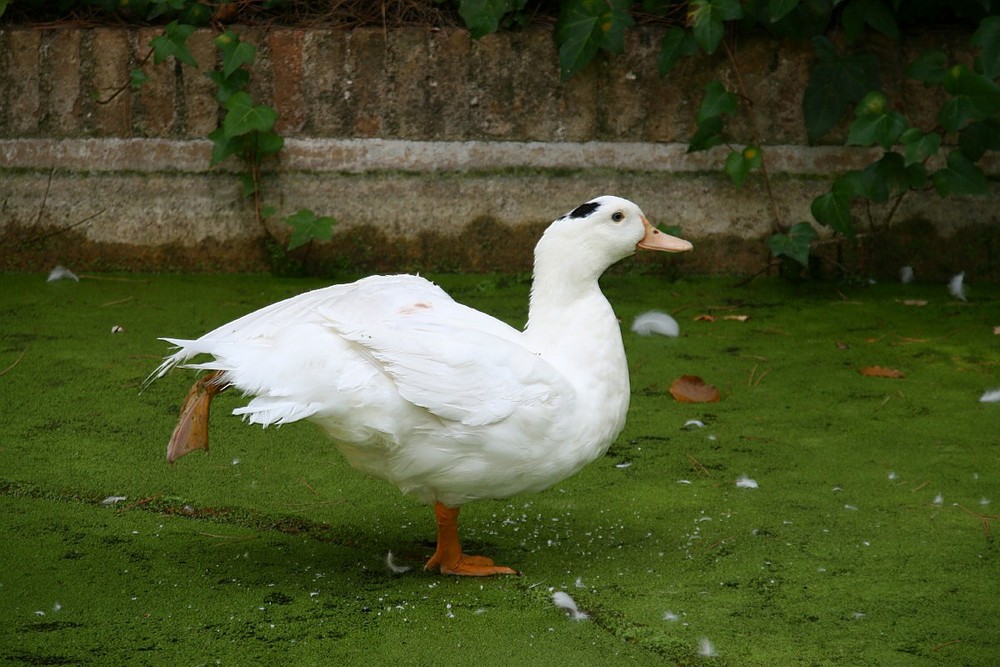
point(604, 230)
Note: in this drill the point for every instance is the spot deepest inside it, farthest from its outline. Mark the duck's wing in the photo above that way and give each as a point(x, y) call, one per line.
point(456, 362)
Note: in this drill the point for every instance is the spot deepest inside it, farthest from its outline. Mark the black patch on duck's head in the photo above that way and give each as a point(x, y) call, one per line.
point(583, 210)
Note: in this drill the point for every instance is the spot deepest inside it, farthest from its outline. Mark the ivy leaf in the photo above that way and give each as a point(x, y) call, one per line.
point(173, 43)
point(835, 83)
point(850, 184)
point(138, 78)
point(227, 86)
point(795, 244)
point(886, 177)
point(873, 125)
point(307, 226)
point(987, 38)
point(874, 13)
point(960, 177)
point(249, 186)
point(269, 143)
point(833, 211)
point(483, 17)
point(584, 26)
point(740, 163)
point(709, 134)
point(707, 19)
point(235, 53)
point(930, 68)
point(779, 9)
point(979, 137)
point(244, 117)
point(975, 97)
point(196, 13)
point(223, 146)
point(676, 44)
point(915, 176)
point(717, 101)
point(919, 146)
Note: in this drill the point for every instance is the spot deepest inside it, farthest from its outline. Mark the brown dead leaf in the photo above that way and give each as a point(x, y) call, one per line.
point(881, 372)
point(692, 389)
point(914, 302)
point(705, 318)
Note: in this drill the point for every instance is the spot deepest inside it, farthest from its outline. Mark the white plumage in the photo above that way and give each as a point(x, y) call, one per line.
point(447, 403)
point(655, 322)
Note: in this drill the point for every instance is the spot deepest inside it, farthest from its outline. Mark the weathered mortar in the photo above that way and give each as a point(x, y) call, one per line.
point(407, 138)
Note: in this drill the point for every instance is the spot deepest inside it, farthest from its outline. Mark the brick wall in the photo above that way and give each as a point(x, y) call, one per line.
point(427, 134)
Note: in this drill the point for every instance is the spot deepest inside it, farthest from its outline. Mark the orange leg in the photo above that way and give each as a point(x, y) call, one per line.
point(449, 557)
point(191, 432)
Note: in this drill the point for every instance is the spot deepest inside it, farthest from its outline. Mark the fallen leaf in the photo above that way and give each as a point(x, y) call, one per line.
point(996, 331)
point(692, 389)
point(914, 302)
point(881, 372)
point(705, 318)
point(843, 346)
point(738, 318)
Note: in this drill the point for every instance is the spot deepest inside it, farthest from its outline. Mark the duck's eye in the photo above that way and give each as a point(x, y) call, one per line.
point(617, 216)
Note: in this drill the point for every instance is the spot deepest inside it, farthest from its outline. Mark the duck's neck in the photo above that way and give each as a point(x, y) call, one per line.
point(571, 324)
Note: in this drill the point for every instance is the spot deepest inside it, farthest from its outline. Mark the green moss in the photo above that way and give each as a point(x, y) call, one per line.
point(271, 548)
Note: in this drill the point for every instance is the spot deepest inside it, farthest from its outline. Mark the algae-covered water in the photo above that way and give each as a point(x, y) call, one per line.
point(868, 540)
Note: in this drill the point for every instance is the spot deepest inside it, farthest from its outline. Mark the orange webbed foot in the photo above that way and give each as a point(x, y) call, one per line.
point(191, 432)
point(448, 556)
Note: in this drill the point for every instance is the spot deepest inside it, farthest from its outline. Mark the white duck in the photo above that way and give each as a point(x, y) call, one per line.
point(447, 403)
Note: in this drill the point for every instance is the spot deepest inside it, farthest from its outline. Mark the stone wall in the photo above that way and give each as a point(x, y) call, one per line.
point(430, 149)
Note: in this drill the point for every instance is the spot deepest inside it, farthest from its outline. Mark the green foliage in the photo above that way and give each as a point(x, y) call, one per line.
point(676, 44)
point(485, 16)
point(173, 44)
point(795, 244)
point(740, 163)
point(845, 76)
point(307, 227)
point(588, 26)
point(247, 128)
point(707, 20)
point(836, 82)
point(715, 105)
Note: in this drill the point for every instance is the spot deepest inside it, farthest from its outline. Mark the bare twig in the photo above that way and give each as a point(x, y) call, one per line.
point(126, 86)
point(696, 464)
point(61, 230)
point(16, 362)
point(757, 137)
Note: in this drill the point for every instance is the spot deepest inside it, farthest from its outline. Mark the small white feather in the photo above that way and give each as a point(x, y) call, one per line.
point(693, 423)
point(655, 322)
point(906, 274)
point(956, 286)
point(62, 273)
point(564, 601)
point(991, 396)
point(706, 648)
point(113, 500)
point(744, 482)
point(397, 569)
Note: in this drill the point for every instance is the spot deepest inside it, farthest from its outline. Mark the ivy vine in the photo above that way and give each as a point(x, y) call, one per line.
point(844, 84)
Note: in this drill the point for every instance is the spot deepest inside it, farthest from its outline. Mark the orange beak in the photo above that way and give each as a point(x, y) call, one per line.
point(657, 240)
